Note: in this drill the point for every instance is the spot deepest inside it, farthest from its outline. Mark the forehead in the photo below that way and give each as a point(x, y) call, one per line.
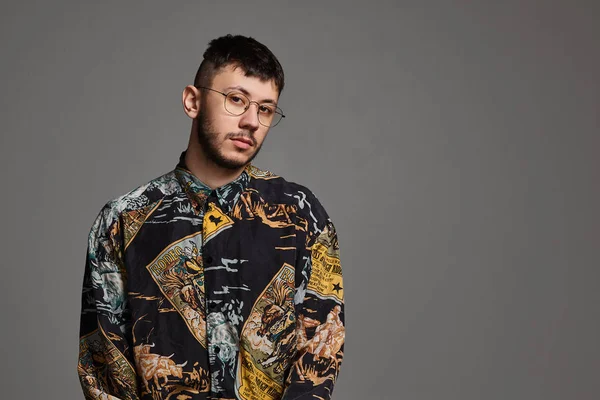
point(258, 90)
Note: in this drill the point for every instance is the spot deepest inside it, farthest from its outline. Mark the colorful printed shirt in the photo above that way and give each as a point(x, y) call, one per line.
point(193, 293)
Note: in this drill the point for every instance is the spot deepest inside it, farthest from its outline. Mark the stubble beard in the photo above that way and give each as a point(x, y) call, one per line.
point(207, 137)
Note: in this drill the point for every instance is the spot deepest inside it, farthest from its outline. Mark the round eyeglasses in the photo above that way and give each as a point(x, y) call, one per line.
point(237, 103)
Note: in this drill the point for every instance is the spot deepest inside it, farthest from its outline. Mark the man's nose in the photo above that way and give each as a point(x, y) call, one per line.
point(249, 118)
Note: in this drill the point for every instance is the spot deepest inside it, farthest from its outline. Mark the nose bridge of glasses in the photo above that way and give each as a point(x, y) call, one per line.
point(255, 102)
point(258, 116)
point(251, 114)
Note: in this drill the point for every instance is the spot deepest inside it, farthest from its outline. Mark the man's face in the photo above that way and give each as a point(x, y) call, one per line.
point(232, 141)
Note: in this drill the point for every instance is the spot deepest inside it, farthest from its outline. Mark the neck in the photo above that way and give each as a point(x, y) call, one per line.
point(204, 169)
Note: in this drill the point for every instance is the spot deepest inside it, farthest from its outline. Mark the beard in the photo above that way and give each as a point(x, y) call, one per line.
point(208, 138)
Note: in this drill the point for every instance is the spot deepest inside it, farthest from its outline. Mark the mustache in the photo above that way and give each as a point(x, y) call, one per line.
point(249, 136)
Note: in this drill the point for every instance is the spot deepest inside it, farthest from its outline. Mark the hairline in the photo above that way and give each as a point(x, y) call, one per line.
point(208, 71)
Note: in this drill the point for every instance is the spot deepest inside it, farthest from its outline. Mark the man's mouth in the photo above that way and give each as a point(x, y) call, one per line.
point(242, 142)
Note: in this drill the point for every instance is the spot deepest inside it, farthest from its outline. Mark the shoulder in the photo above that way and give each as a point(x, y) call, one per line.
point(142, 197)
point(277, 190)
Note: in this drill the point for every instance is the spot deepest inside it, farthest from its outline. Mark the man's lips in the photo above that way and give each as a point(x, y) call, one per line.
point(242, 142)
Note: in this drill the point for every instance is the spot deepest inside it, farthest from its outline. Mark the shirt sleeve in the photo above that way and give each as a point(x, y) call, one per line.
point(103, 368)
point(320, 329)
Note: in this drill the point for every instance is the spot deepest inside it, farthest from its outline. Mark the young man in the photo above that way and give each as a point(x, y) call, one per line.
point(217, 280)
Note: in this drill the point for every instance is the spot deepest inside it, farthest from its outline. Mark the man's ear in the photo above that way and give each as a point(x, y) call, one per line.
point(191, 99)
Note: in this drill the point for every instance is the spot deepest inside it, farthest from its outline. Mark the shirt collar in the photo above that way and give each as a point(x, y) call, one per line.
point(197, 191)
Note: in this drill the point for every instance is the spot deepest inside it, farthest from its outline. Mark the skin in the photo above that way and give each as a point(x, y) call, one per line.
point(219, 129)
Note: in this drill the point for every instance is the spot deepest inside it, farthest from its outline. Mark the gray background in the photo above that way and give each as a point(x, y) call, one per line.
point(454, 144)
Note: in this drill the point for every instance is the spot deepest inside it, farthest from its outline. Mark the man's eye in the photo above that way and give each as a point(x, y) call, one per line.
point(236, 99)
point(266, 110)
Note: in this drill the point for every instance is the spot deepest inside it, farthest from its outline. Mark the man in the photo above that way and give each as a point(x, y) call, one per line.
point(217, 280)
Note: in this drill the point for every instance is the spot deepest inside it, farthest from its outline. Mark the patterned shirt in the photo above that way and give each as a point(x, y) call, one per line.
point(194, 293)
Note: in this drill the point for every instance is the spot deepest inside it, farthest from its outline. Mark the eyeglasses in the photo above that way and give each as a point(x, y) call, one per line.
point(237, 103)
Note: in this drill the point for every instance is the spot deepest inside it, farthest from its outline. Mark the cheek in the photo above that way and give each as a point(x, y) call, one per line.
point(220, 128)
point(220, 123)
point(260, 136)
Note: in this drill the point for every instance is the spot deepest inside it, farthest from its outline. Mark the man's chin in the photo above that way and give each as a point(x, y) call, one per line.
point(232, 159)
point(233, 162)
point(240, 158)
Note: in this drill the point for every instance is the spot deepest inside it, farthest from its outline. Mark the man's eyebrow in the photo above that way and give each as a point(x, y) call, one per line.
point(244, 91)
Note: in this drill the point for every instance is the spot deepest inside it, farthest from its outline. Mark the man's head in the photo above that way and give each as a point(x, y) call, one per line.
point(253, 57)
point(233, 101)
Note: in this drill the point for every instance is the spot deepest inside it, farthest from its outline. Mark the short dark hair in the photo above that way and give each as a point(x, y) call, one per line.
point(255, 59)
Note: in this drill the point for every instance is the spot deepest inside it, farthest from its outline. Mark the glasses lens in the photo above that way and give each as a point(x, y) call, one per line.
point(269, 115)
point(236, 103)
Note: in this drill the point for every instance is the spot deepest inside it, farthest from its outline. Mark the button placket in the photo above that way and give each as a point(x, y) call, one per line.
point(211, 305)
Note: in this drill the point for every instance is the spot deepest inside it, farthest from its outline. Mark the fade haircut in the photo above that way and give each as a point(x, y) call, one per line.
point(253, 57)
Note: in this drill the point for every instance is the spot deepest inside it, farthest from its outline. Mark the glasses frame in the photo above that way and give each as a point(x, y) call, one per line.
point(277, 109)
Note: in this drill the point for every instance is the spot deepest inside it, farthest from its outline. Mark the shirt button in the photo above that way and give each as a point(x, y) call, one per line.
point(208, 259)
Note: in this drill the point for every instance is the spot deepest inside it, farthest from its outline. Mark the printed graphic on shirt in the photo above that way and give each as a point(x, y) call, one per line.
point(107, 277)
point(159, 372)
point(99, 358)
point(251, 206)
point(303, 204)
point(258, 173)
point(197, 201)
point(134, 219)
point(215, 221)
point(268, 337)
point(320, 344)
point(321, 336)
point(178, 272)
point(222, 348)
point(138, 198)
point(326, 275)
